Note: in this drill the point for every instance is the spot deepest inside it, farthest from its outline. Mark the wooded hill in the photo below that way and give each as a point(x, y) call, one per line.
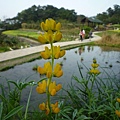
point(37, 14)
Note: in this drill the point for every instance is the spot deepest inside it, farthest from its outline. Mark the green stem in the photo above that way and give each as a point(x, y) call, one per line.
point(48, 94)
point(28, 103)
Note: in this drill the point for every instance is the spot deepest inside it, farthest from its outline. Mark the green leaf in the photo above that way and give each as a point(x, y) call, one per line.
point(1, 109)
point(13, 112)
point(83, 117)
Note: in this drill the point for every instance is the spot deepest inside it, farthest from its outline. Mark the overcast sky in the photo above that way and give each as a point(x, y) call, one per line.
point(10, 8)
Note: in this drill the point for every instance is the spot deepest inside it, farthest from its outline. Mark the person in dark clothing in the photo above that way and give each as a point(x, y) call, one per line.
point(90, 35)
point(81, 35)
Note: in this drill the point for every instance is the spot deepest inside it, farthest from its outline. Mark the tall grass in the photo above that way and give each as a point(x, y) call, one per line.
point(94, 97)
point(110, 39)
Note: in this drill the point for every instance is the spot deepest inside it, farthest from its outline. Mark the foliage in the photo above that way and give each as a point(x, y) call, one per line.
point(9, 43)
point(10, 100)
point(111, 15)
point(94, 96)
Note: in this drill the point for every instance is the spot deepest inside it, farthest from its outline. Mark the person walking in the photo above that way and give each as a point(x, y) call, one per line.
point(90, 35)
point(83, 32)
point(81, 35)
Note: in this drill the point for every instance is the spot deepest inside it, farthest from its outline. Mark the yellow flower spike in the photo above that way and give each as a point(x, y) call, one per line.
point(117, 113)
point(94, 65)
point(42, 106)
point(57, 36)
point(46, 54)
point(41, 88)
point(58, 26)
point(57, 70)
point(118, 100)
point(42, 39)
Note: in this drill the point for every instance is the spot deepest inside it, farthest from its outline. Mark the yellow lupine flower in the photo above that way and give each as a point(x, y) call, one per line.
point(41, 88)
point(57, 53)
point(118, 100)
point(50, 24)
point(53, 92)
point(94, 65)
point(58, 71)
point(117, 113)
point(58, 26)
point(58, 87)
point(42, 106)
point(55, 108)
point(57, 36)
point(47, 69)
point(53, 88)
point(41, 70)
point(50, 36)
point(43, 26)
point(42, 39)
point(95, 71)
point(46, 54)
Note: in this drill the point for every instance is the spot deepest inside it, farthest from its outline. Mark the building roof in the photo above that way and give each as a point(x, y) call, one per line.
point(91, 19)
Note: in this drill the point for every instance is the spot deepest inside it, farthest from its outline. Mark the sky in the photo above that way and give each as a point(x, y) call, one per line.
point(10, 8)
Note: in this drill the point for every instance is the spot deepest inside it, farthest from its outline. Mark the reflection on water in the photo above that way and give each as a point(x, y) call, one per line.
point(110, 60)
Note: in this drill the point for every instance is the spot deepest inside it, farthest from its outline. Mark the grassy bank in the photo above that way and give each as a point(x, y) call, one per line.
point(109, 38)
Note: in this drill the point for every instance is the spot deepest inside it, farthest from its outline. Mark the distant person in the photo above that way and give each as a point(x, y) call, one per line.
point(81, 35)
point(90, 35)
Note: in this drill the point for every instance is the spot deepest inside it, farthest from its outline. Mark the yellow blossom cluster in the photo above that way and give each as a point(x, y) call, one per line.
point(47, 69)
point(45, 107)
point(94, 69)
point(51, 34)
point(53, 88)
point(57, 53)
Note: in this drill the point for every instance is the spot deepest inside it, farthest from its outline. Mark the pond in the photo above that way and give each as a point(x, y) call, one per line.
point(108, 58)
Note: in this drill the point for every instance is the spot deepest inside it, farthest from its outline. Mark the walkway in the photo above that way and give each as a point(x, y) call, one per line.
point(29, 51)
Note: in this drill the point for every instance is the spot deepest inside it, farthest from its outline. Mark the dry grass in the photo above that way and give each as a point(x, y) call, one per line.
point(110, 40)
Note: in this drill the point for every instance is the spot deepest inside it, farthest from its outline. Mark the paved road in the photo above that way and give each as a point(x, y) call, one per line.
point(29, 51)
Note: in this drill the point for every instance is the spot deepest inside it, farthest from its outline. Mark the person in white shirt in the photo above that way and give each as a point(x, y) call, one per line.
point(83, 36)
